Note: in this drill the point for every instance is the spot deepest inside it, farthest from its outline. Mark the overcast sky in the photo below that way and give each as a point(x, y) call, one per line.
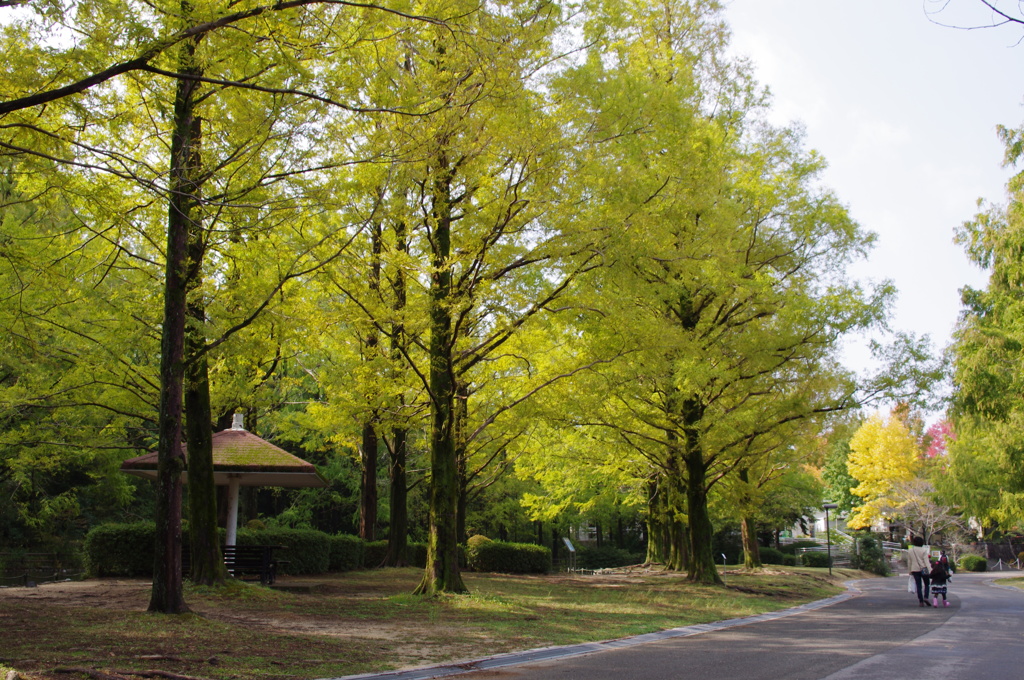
point(905, 111)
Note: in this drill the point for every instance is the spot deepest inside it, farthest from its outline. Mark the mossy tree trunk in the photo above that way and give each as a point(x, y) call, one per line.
point(461, 453)
point(701, 567)
point(748, 528)
point(368, 483)
point(442, 573)
point(167, 594)
point(207, 561)
point(368, 496)
point(398, 534)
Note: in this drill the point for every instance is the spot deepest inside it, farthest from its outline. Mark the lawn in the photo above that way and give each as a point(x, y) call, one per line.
point(359, 622)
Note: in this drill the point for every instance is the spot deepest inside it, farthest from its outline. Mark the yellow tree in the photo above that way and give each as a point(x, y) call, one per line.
point(884, 457)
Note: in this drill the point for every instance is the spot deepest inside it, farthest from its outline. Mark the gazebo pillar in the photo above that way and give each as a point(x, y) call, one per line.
point(232, 526)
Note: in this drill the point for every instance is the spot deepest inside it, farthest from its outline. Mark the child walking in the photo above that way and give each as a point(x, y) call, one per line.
point(940, 579)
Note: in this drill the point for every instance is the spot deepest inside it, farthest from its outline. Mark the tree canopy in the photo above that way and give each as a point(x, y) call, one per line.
point(531, 263)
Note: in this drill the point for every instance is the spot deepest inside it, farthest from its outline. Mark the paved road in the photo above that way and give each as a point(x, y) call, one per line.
point(881, 634)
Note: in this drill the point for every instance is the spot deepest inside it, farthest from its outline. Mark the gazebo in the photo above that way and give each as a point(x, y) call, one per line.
point(240, 458)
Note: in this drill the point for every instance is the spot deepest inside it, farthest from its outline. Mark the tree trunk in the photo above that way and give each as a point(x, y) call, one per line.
point(368, 454)
point(207, 561)
point(677, 533)
point(461, 417)
point(701, 568)
point(398, 535)
point(655, 525)
point(751, 550)
point(368, 484)
point(748, 529)
point(167, 594)
point(442, 572)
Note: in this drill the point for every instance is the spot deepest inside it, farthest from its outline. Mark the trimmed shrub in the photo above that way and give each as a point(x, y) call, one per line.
point(773, 556)
point(418, 555)
point(346, 552)
point(511, 558)
point(973, 563)
point(605, 557)
point(306, 551)
point(473, 544)
point(870, 556)
point(814, 559)
point(120, 549)
point(788, 560)
point(374, 553)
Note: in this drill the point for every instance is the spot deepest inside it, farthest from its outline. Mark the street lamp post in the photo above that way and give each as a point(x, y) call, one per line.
point(828, 536)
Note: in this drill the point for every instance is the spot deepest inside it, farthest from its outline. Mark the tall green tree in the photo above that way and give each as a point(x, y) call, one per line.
point(986, 461)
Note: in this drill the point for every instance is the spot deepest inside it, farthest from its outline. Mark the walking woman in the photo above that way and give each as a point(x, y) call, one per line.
point(920, 566)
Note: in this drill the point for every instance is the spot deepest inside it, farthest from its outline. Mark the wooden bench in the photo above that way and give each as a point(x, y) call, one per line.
point(242, 561)
point(252, 560)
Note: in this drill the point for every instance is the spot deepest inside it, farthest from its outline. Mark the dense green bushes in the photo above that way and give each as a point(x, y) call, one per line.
point(509, 558)
point(303, 551)
point(771, 556)
point(605, 557)
point(815, 559)
point(346, 552)
point(374, 553)
point(418, 555)
point(120, 549)
point(127, 550)
point(973, 563)
point(870, 556)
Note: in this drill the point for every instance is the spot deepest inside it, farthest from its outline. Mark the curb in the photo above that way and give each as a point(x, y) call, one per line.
point(568, 651)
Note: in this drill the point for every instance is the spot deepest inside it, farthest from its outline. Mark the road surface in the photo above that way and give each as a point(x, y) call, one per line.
point(879, 634)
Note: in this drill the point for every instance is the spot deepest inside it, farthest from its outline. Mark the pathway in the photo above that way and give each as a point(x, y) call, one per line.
point(880, 633)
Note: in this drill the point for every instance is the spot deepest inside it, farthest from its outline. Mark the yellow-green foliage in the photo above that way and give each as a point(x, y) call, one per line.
point(883, 454)
point(473, 545)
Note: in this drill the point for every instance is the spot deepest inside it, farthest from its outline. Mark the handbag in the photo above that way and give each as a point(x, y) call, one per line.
point(911, 586)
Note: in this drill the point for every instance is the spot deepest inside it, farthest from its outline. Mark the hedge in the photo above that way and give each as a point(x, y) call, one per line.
point(305, 551)
point(473, 544)
point(772, 556)
point(121, 549)
point(815, 559)
point(604, 557)
point(870, 556)
point(374, 553)
point(510, 558)
point(346, 552)
point(418, 555)
point(973, 563)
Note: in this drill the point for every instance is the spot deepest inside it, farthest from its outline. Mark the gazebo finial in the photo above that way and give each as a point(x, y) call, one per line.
point(238, 422)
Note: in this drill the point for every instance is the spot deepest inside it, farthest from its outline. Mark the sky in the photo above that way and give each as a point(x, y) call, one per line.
point(905, 112)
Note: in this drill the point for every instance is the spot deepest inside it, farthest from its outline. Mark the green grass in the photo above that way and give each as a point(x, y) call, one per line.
point(1016, 582)
point(368, 621)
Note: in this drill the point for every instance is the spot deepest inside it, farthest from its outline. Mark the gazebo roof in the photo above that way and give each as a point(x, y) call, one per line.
point(239, 454)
